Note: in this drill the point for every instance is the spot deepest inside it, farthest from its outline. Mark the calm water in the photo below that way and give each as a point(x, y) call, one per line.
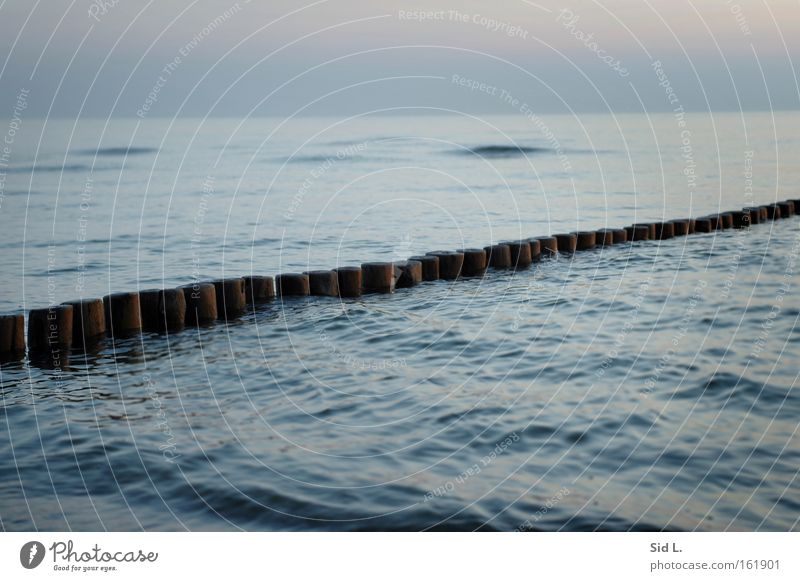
point(651, 386)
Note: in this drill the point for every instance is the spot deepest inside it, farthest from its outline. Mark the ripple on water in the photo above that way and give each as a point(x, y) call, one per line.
point(328, 414)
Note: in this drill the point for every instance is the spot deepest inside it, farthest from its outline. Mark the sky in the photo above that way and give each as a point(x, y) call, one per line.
point(225, 58)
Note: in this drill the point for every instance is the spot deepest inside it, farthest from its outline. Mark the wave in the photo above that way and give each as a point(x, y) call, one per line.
point(508, 151)
point(500, 151)
point(334, 158)
point(67, 168)
point(118, 151)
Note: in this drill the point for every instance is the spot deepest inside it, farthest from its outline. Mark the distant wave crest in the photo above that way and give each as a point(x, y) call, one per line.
point(119, 151)
point(334, 158)
point(502, 150)
point(67, 168)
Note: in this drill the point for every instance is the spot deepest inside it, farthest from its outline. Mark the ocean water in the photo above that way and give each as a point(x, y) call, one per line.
point(645, 386)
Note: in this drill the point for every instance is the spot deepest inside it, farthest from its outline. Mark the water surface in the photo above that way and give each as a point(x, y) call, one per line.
point(650, 386)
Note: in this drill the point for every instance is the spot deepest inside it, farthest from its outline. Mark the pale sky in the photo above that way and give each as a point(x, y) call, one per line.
point(226, 58)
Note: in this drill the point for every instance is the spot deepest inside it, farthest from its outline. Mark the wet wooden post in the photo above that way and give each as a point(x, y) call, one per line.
point(651, 229)
point(536, 248)
point(450, 264)
point(50, 328)
point(549, 246)
point(567, 243)
point(349, 279)
point(715, 220)
point(323, 283)
point(12, 336)
point(258, 289)
point(665, 230)
point(430, 266)
point(680, 227)
point(475, 262)
point(741, 218)
point(638, 232)
point(123, 314)
point(201, 303)
point(755, 214)
point(787, 209)
point(605, 237)
point(410, 273)
point(727, 220)
point(231, 298)
point(585, 239)
point(292, 284)
point(773, 211)
point(172, 309)
point(620, 235)
point(162, 309)
point(88, 321)
point(498, 256)
point(520, 253)
point(378, 277)
point(148, 303)
point(703, 225)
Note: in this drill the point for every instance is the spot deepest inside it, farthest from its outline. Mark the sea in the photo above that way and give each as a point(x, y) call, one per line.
point(644, 386)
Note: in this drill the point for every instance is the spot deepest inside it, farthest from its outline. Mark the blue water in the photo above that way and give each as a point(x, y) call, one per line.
point(650, 386)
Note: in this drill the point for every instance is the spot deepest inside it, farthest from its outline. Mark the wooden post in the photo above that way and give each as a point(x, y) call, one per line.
point(349, 279)
point(123, 314)
point(638, 232)
point(50, 328)
point(231, 299)
point(88, 321)
point(586, 239)
point(410, 273)
point(498, 256)
point(787, 209)
point(755, 214)
point(605, 237)
point(12, 336)
point(549, 245)
point(201, 303)
point(703, 225)
point(474, 262)
point(258, 289)
point(292, 284)
point(430, 266)
point(378, 277)
point(323, 283)
point(741, 218)
point(651, 229)
point(680, 227)
point(665, 230)
point(715, 220)
point(567, 243)
point(520, 253)
point(773, 211)
point(536, 248)
point(450, 264)
point(162, 310)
